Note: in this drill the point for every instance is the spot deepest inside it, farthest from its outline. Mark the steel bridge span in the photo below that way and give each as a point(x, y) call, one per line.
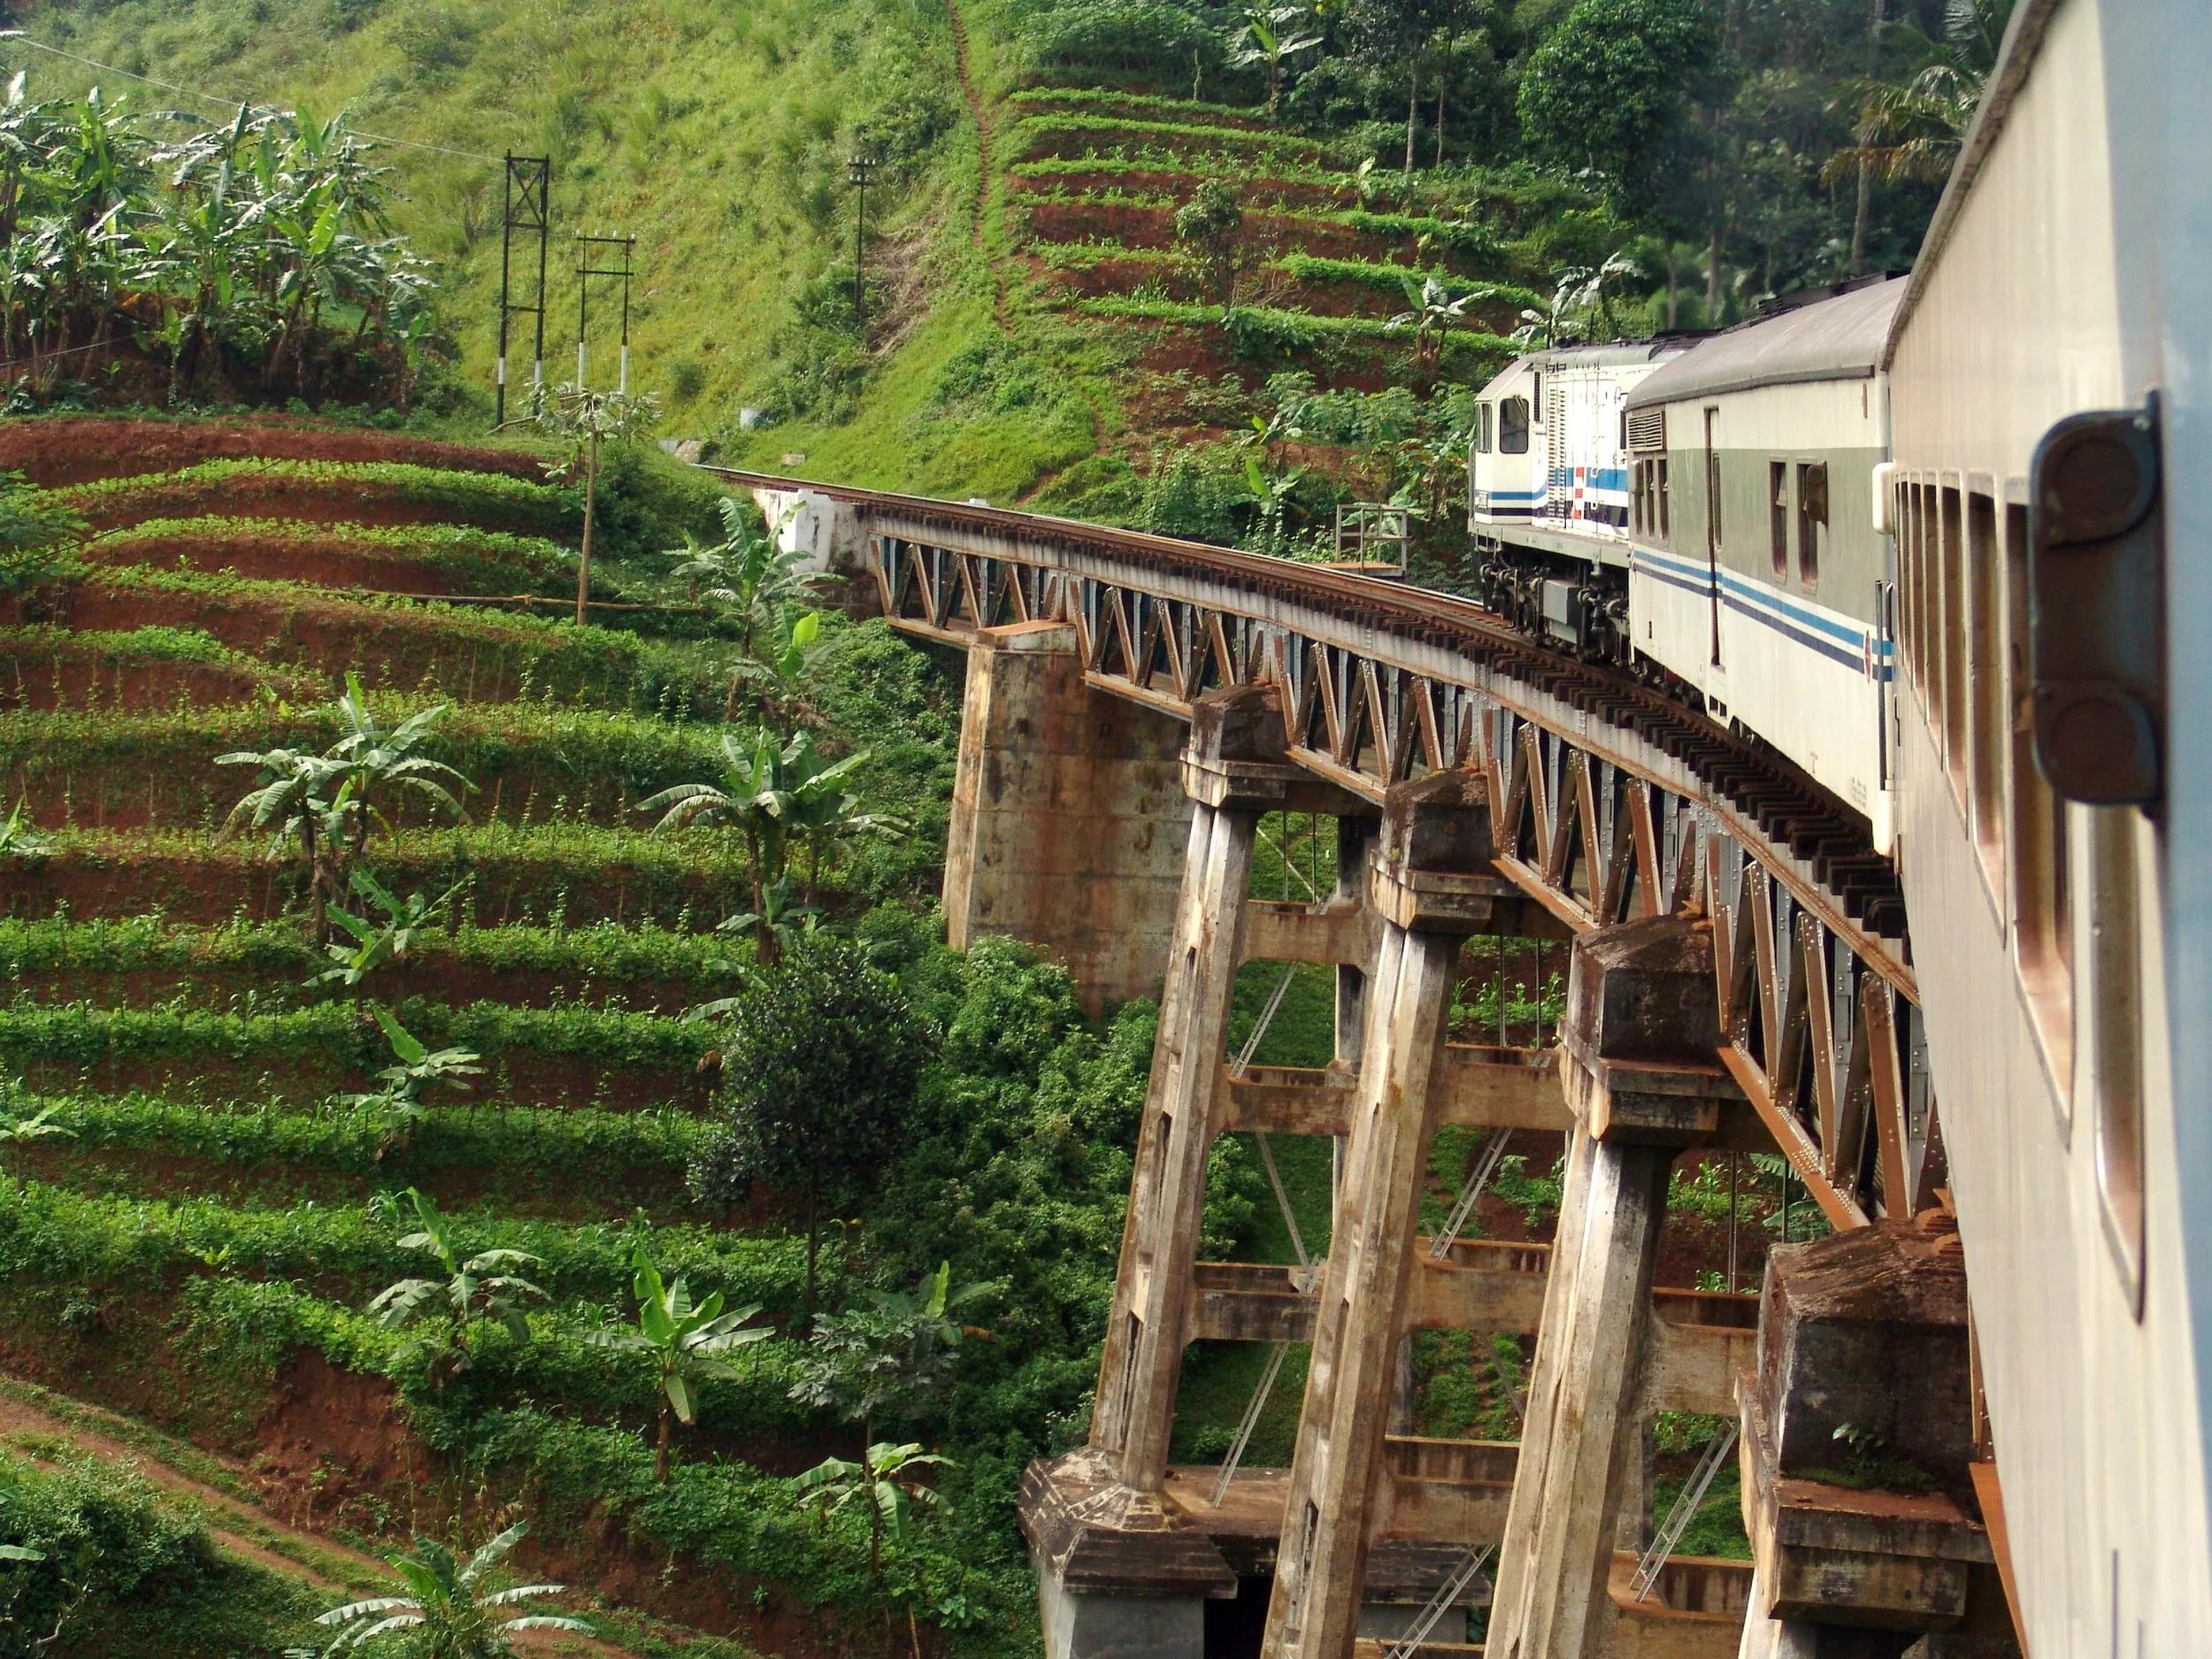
point(1742, 979)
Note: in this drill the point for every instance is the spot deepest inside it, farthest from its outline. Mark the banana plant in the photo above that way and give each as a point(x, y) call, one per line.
point(463, 1292)
point(446, 1608)
point(1268, 35)
point(21, 1128)
point(686, 1341)
point(371, 944)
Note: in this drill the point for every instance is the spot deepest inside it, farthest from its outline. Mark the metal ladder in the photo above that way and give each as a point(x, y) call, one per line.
point(1686, 1507)
point(1441, 1603)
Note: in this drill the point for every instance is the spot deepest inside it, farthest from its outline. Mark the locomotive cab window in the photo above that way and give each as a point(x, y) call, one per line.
point(1482, 427)
point(1812, 518)
point(1513, 427)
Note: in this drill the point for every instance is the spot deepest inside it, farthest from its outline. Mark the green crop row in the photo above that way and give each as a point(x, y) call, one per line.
point(511, 501)
point(343, 1035)
point(1046, 98)
point(600, 955)
point(470, 651)
point(525, 760)
point(1237, 140)
point(1391, 278)
point(50, 1234)
point(1288, 327)
point(517, 1141)
point(489, 561)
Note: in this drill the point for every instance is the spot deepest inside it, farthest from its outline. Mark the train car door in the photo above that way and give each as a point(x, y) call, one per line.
point(1712, 530)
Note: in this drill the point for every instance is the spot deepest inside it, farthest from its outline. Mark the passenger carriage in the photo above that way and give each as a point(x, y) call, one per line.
point(1758, 575)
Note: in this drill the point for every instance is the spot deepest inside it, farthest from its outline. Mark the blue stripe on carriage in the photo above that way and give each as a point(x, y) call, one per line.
point(1700, 584)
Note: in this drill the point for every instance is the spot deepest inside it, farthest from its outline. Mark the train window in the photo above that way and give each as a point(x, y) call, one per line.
point(1665, 493)
point(1950, 598)
point(1513, 427)
point(1812, 518)
point(2042, 945)
point(1779, 516)
point(1482, 427)
point(1986, 686)
point(2116, 942)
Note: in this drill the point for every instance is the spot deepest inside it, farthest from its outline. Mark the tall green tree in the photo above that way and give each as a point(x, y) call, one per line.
point(820, 1060)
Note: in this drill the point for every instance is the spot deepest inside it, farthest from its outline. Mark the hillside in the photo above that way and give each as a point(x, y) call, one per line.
point(1039, 323)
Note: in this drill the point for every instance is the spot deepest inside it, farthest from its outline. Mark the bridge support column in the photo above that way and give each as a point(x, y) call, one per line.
point(1235, 770)
point(1121, 1570)
point(1068, 815)
point(1431, 884)
point(1639, 1039)
point(1863, 1367)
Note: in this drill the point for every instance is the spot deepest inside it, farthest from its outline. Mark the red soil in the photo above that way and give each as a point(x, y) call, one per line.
point(288, 559)
point(76, 450)
point(61, 677)
point(1257, 194)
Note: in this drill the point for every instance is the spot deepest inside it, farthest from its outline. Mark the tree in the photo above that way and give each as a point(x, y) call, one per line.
point(1611, 90)
point(584, 422)
point(465, 1291)
point(820, 1062)
point(1432, 310)
point(1212, 221)
point(888, 1358)
point(1390, 35)
point(328, 801)
point(21, 1127)
point(1269, 35)
point(446, 1608)
point(888, 1486)
point(774, 792)
point(687, 1341)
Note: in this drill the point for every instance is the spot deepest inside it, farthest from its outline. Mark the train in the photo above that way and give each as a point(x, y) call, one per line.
point(1940, 540)
point(1702, 510)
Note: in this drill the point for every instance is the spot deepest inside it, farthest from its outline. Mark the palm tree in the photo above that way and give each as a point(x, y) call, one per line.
point(687, 1341)
point(771, 790)
point(415, 1067)
point(464, 1289)
point(329, 800)
point(446, 1610)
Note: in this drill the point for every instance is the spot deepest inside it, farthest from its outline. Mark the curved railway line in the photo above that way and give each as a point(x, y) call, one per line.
point(1613, 800)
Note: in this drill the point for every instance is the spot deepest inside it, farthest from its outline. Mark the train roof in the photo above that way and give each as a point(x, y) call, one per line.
point(1613, 354)
point(1838, 339)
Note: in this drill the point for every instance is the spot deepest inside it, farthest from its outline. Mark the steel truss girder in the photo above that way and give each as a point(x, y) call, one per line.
point(1819, 1016)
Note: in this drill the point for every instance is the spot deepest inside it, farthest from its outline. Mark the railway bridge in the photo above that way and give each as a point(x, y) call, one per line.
point(1741, 979)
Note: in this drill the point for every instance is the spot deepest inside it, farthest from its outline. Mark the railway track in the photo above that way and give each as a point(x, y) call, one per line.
point(1830, 864)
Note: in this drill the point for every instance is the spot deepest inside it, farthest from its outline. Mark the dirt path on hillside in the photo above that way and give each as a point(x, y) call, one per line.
point(986, 151)
point(24, 1425)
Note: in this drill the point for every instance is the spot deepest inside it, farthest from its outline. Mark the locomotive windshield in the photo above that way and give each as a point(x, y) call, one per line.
point(1513, 427)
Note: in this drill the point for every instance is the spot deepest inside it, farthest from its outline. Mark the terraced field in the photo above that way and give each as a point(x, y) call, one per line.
point(198, 1249)
point(1095, 179)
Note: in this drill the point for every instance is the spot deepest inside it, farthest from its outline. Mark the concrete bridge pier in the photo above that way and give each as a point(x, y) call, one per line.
point(1068, 815)
point(1638, 1041)
point(1431, 882)
point(1121, 1570)
point(1863, 1482)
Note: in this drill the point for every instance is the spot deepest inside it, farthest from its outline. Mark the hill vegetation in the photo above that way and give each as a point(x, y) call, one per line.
point(1107, 237)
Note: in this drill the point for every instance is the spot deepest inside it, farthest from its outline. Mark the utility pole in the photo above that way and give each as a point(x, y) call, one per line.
point(589, 248)
point(525, 205)
point(857, 172)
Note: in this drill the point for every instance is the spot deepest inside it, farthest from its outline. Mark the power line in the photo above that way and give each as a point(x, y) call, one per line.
point(21, 39)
